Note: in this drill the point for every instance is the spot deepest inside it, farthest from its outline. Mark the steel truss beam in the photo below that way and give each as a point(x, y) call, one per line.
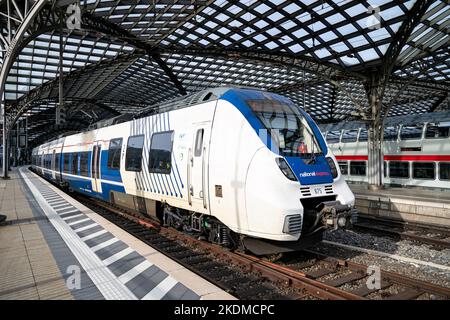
point(322, 70)
point(32, 17)
point(90, 21)
point(54, 130)
point(44, 91)
point(34, 21)
point(438, 102)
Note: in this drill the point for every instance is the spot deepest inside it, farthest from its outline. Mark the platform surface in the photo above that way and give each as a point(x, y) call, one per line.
point(53, 247)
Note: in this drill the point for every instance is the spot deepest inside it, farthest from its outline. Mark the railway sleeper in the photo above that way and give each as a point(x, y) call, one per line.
point(197, 260)
point(238, 281)
point(184, 254)
point(337, 282)
point(318, 273)
point(257, 292)
point(363, 290)
point(408, 294)
point(208, 266)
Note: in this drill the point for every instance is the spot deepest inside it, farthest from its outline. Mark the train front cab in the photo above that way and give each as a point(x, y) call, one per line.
point(275, 186)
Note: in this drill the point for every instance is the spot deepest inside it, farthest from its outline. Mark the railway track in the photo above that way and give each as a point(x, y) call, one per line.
point(299, 275)
point(438, 238)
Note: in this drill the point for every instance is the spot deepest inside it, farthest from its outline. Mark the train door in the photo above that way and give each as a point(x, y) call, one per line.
point(198, 168)
point(95, 167)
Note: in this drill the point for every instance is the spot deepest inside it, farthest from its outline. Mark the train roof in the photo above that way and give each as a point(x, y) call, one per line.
point(391, 121)
point(206, 95)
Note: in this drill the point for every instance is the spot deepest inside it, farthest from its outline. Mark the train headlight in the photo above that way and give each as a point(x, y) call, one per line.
point(334, 171)
point(284, 167)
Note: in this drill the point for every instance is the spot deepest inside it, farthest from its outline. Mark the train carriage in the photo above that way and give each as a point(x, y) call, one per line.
point(416, 150)
point(240, 166)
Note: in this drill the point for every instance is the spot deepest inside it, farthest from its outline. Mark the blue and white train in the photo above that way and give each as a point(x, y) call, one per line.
point(241, 167)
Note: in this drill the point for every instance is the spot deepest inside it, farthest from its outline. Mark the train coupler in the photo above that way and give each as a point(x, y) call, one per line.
point(336, 215)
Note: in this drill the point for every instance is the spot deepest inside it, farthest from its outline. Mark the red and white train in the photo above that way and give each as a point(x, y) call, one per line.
point(416, 150)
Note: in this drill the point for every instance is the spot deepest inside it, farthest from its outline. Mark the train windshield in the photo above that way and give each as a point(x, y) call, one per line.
point(288, 128)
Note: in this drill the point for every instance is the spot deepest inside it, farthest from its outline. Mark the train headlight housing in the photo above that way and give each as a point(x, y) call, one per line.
point(334, 171)
point(284, 167)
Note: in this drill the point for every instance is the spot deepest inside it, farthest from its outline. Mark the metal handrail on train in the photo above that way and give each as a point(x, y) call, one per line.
point(203, 178)
point(189, 164)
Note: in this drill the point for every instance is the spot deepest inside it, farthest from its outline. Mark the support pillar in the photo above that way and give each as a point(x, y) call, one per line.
point(375, 91)
point(60, 111)
point(16, 147)
point(375, 157)
point(5, 138)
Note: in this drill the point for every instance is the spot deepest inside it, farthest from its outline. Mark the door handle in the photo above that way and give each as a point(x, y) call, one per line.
point(200, 194)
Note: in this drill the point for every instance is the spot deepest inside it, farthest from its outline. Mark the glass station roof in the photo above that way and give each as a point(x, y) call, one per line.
point(211, 43)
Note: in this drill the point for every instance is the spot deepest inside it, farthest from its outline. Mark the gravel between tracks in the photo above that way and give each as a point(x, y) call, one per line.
point(402, 248)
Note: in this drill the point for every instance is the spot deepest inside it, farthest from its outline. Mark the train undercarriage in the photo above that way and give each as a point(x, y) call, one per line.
point(324, 216)
point(320, 214)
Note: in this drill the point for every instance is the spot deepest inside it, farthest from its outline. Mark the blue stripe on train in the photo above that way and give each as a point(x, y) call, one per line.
point(84, 185)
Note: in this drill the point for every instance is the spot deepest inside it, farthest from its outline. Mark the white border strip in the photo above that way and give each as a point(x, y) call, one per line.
point(106, 282)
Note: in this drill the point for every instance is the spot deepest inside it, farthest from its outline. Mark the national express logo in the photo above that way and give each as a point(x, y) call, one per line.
point(314, 174)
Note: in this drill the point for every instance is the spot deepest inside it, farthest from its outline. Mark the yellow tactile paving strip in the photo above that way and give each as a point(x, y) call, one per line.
point(27, 267)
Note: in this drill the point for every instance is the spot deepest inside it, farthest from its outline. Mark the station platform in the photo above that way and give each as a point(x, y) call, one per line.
point(430, 207)
point(53, 247)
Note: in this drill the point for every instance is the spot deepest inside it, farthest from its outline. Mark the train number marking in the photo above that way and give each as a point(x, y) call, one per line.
point(318, 191)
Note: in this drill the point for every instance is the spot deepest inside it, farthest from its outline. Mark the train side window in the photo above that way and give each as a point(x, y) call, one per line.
point(84, 158)
point(343, 165)
point(437, 130)
point(357, 168)
point(198, 143)
point(349, 136)
point(424, 170)
point(363, 137)
point(385, 169)
point(444, 171)
point(66, 162)
point(411, 132)
point(333, 136)
point(133, 159)
point(114, 151)
point(74, 163)
point(160, 157)
point(390, 134)
point(399, 169)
